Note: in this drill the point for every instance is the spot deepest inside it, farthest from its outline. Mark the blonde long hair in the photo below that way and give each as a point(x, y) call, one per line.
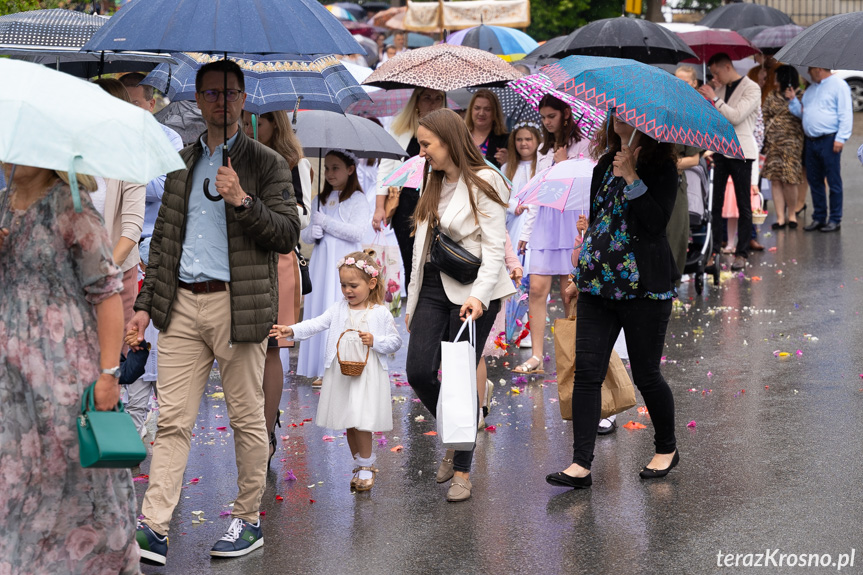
point(453, 134)
point(284, 141)
point(408, 120)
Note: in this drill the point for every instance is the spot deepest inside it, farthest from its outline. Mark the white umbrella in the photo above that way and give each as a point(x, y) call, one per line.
point(56, 121)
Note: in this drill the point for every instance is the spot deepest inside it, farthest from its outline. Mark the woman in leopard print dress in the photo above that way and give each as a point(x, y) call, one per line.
point(783, 147)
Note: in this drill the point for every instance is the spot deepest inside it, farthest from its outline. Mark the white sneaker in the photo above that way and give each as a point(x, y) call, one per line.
point(526, 343)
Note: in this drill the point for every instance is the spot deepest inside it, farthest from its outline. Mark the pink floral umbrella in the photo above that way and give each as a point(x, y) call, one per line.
point(408, 175)
point(564, 186)
point(534, 87)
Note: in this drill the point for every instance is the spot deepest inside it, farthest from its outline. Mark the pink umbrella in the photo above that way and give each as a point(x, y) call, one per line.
point(564, 186)
point(534, 87)
point(408, 175)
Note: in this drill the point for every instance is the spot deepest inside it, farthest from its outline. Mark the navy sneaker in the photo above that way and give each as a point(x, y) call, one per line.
point(241, 538)
point(154, 548)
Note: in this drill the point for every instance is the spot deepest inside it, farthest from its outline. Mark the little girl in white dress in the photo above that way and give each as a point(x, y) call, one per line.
point(361, 404)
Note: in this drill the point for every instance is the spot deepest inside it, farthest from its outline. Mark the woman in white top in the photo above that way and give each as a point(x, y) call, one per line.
point(466, 200)
point(549, 234)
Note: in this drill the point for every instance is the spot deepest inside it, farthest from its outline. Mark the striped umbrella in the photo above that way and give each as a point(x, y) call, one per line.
point(536, 86)
point(508, 43)
point(773, 39)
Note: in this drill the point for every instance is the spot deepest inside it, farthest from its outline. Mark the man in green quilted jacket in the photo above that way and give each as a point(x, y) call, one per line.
point(211, 288)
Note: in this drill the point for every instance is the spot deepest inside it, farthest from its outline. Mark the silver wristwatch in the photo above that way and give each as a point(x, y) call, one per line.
point(247, 202)
point(113, 372)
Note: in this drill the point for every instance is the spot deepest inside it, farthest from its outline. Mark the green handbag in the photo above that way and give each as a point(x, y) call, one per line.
point(107, 438)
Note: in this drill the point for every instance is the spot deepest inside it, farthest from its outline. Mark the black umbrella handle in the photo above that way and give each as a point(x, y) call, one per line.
point(215, 197)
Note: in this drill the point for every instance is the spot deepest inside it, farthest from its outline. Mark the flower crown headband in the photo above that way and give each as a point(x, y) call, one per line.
point(350, 155)
point(360, 265)
point(526, 124)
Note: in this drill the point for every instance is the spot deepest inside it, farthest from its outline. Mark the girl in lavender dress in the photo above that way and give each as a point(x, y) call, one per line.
point(549, 234)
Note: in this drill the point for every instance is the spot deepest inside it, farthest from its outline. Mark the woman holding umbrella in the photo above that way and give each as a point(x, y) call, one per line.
point(62, 320)
point(404, 129)
point(626, 276)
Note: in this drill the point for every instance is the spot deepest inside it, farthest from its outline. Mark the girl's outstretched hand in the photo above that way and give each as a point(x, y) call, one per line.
point(281, 332)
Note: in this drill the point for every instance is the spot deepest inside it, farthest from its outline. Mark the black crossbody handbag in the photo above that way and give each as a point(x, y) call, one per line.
point(453, 260)
point(305, 278)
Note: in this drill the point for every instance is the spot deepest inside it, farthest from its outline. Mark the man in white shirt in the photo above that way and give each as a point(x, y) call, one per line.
point(400, 42)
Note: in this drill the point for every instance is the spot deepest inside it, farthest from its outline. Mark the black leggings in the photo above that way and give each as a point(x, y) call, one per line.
point(600, 320)
point(436, 319)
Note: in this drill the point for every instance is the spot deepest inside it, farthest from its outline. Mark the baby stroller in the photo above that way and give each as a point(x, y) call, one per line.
point(699, 193)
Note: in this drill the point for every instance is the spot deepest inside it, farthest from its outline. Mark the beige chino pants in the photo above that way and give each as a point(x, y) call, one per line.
point(200, 331)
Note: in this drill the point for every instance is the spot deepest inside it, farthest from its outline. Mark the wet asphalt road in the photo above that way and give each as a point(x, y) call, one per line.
point(773, 461)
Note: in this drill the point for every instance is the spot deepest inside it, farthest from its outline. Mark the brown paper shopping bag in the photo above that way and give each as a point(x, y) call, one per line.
point(618, 393)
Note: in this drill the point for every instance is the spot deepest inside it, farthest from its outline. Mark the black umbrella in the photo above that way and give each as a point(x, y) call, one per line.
point(622, 37)
point(744, 15)
point(752, 31)
point(544, 54)
point(835, 43)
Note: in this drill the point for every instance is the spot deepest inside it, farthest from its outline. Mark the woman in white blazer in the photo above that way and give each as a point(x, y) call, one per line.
point(467, 201)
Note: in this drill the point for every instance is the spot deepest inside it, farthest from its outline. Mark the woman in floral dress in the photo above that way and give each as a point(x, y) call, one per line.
point(61, 322)
point(625, 277)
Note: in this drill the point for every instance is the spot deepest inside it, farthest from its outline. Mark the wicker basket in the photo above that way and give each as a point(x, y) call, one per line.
point(759, 215)
point(351, 368)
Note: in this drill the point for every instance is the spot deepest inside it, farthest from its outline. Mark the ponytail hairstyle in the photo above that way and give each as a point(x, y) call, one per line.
point(512, 156)
point(568, 133)
point(367, 266)
point(353, 184)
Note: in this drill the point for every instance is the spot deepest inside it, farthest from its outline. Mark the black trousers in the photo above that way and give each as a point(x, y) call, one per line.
point(741, 175)
point(436, 319)
point(600, 320)
point(402, 225)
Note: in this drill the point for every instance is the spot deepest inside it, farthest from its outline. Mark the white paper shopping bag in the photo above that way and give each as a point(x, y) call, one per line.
point(457, 403)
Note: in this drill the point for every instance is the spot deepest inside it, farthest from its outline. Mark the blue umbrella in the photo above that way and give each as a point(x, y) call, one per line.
point(219, 26)
point(508, 43)
point(222, 26)
point(273, 82)
point(653, 101)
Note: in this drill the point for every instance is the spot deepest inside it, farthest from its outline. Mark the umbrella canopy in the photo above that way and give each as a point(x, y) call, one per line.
point(516, 110)
point(370, 49)
point(709, 42)
point(741, 15)
point(321, 131)
point(341, 13)
point(835, 43)
point(508, 43)
point(414, 40)
point(545, 53)
point(184, 118)
point(409, 174)
point(564, 186)
point(273, 82)
point(771, 40)
point(55, 121)
point(383, 103)
point(622, 37)
point(442, 67)
point(236, 26)
point(54, 37)
point(536, 86)
point(752, 31)
point(662, 106)
point(358, 11)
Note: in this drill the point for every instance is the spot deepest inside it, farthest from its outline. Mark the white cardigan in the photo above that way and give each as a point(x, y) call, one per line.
point(485, 239)
point(381, 326)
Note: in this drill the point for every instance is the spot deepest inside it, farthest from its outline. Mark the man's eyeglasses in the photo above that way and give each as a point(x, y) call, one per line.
point(213, 95)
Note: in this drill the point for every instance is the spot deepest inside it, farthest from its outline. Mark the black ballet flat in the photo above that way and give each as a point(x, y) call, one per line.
point(792, 225)
point(561, 479)
point(777, 226)
point(648, 473)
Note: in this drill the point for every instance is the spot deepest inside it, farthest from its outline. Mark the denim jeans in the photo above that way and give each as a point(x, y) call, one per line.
point(822, 162)
point(436, 319)
point(600, 320)
point(741, 176)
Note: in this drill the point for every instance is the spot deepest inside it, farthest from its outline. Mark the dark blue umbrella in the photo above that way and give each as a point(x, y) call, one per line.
point(273, 82)
point(219, 26)
point(223, 26)
point(653, 101)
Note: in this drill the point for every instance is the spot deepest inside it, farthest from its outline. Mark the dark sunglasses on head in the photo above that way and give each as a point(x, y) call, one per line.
point(213, 95)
